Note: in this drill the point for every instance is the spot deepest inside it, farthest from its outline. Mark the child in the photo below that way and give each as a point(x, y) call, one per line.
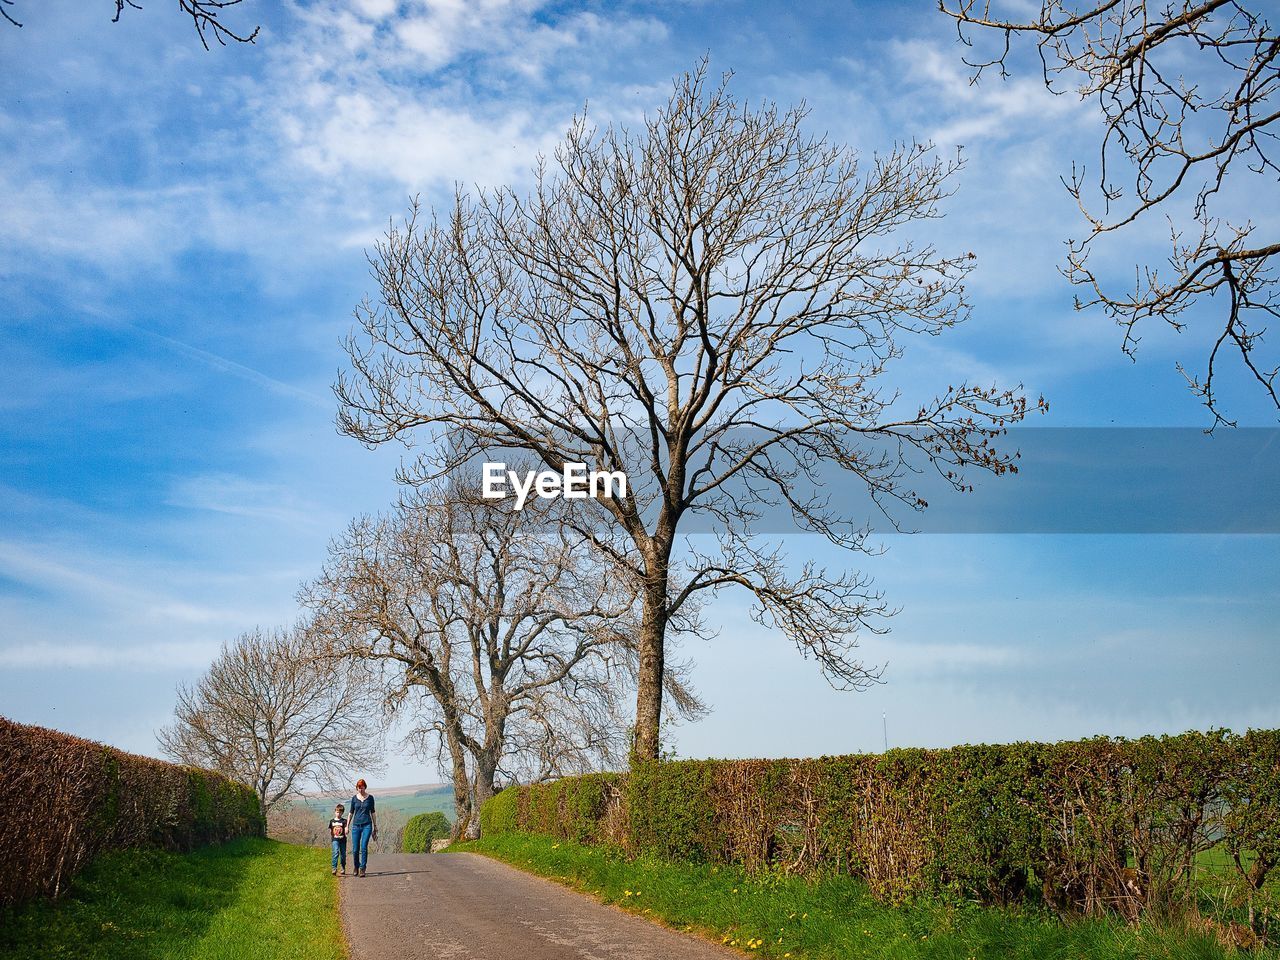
point(338, 834)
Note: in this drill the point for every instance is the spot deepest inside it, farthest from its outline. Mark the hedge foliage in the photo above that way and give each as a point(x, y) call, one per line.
point(421, 829)
point(1090, 826)
point(71, 799)
point(589, 808)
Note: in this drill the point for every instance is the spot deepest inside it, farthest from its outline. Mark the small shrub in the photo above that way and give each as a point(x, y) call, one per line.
point(422, 829)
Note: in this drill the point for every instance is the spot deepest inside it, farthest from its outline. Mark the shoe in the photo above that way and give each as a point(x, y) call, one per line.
point(335, 871)
point(364, 873)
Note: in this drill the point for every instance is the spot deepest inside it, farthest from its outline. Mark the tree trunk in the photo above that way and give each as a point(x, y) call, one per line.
point(486, 771)
point(652, 651)
point(463, 805)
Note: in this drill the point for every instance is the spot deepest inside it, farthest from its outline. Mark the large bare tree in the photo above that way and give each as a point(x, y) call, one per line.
point(1189, 92)
point(512, 649)
point(273, 714)
point(708, 304)
point(206, 15)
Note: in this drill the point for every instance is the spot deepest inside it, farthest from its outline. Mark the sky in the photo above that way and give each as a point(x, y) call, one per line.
point(185, 234)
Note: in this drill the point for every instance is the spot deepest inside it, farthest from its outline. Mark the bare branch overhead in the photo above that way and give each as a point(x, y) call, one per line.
point(1187, 90)
point(206, 16)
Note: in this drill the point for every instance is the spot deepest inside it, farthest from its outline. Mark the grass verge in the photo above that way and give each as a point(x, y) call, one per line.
point(780, 916)
point(248, 899)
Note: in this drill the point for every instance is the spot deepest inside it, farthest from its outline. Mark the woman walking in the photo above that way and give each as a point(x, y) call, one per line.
point(362, 824)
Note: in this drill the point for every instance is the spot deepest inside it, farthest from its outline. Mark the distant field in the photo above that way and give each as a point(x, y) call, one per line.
point(408, 801)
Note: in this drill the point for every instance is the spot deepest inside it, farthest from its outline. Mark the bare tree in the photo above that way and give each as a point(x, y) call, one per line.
point(293, 822)
point(206, 15)
point(708, 305)
point(271, 714)
point(1188, 96)
point(499, 628)
point(391, 822)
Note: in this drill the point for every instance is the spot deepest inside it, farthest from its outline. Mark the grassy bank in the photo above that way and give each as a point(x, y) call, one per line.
point(243, 900)
point(778, 916)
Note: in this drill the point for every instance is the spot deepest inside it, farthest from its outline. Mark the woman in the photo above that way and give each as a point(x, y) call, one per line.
point(362, 825)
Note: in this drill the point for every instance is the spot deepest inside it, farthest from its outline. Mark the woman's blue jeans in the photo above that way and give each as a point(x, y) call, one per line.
point(360, 844)
point(340, 853)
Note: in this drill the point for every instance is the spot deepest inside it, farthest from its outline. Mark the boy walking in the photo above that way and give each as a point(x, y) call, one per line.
point(338, 834)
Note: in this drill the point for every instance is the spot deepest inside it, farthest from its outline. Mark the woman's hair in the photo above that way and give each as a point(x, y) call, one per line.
point(360, 784)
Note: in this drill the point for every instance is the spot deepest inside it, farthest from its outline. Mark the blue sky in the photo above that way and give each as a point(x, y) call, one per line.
point(184, 234)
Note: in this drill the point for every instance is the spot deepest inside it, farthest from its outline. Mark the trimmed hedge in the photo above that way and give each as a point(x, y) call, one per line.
point(589, 808)
point(1092, 826)
point(75, 799)
point(421, 829)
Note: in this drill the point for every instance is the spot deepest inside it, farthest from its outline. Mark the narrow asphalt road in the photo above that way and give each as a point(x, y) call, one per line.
point(460, 906)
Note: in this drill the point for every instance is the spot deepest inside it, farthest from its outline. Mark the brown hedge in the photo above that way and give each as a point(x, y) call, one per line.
point(70, 799)
point(1092, 826)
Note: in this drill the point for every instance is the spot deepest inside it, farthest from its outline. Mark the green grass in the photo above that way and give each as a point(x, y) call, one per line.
point(779, 916)
point(245, 900)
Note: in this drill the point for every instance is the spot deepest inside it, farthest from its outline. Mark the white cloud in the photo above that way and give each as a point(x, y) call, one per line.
point(441, 92)
point(244, 497)
point(376, 8)
point(926, 658)
point(992, 109)
point(48, 569)
point(82, 656)
point(420, 146)
point(110, 225)
point(310, 151)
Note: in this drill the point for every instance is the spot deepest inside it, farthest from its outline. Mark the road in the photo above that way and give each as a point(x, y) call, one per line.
point(462, 906)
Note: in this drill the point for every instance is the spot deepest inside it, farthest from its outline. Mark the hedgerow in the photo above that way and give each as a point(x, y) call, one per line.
point(585, 808)
point(421, 829)
point(1090, 826)
point(79, 798)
